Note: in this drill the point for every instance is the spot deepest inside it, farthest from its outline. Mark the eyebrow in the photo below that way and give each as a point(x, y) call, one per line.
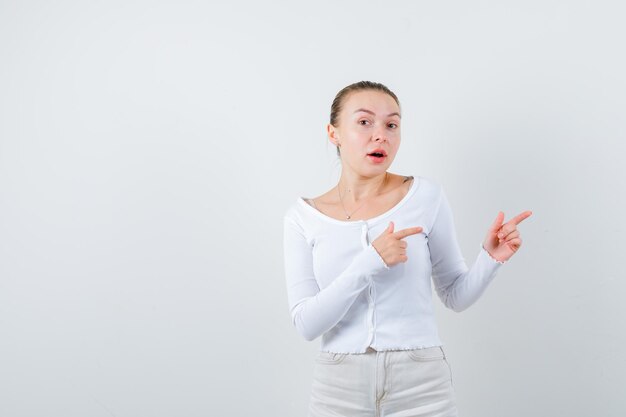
point(372, 113)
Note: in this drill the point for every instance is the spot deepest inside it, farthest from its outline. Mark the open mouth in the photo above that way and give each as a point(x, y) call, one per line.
point(377, 156)
point(378, 153)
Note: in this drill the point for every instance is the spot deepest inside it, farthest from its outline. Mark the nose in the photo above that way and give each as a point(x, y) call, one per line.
point(379, 135)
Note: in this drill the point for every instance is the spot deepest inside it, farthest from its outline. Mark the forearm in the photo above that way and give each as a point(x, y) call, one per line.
point(457, 286)
point(315, 314)
point(467, 285)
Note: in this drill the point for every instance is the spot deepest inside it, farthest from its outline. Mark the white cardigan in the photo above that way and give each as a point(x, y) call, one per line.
point(339, 287)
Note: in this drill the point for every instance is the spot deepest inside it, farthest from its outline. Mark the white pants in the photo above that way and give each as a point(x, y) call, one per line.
point(397, 383)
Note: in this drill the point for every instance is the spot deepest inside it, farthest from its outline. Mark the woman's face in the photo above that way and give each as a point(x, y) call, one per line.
point(369, 121)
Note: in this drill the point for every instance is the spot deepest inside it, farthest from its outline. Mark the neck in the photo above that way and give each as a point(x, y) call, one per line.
point(355, 188)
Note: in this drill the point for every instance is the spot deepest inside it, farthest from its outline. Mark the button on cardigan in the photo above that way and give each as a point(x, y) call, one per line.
point(340, 288)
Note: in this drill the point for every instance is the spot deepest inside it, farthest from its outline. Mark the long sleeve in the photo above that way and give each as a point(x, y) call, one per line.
point(315, 311)
point(456, 285)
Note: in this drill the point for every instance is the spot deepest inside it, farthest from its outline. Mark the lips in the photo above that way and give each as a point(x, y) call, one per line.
point(379, 153)
point(377, 156)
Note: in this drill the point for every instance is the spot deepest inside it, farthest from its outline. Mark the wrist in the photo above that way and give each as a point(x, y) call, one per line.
point(379, 256)
point(500, 261)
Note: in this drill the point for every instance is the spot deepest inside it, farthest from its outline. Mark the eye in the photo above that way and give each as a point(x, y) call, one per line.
point(363, 122)
point(392, 125)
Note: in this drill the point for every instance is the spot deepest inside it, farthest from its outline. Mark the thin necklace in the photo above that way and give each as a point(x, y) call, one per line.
point(349, 215)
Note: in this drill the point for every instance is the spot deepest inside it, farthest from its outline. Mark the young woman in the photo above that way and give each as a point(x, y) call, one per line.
point(359, 261)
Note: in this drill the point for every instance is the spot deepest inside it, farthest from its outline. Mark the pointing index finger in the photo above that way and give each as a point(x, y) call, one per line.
point(520, 217)
point(401, 234)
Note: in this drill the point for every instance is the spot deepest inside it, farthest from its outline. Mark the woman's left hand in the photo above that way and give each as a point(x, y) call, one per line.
point(503, 240)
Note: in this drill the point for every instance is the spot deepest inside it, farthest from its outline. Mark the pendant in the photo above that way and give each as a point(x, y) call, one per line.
point(348, 217)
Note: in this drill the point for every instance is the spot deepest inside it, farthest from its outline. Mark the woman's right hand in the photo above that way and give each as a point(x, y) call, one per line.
point(390, 245)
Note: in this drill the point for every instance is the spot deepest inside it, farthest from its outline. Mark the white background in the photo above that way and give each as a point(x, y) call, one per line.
point(149, 149)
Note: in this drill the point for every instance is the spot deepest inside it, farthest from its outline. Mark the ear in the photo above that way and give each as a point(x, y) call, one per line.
point(332, 134)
